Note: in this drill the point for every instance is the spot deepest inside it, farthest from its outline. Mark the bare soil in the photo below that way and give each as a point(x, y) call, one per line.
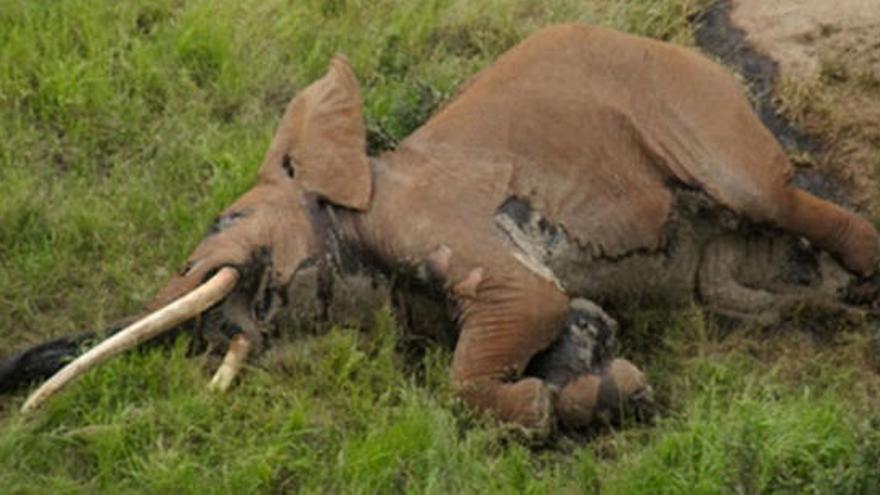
point(799, 33)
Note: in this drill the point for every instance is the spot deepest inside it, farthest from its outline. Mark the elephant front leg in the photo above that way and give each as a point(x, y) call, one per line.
point(504, 322)
point(604, 396)
point(594, 388)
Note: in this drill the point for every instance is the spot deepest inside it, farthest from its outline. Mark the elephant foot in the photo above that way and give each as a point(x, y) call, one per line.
point(620, 389)
point(864, 292)
point(862, 255)
point(584, 345)
point(526, 404)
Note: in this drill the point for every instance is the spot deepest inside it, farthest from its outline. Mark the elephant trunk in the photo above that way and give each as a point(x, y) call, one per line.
point(148, 327)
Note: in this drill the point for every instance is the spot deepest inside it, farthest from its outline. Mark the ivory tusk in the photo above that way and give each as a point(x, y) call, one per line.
point(178, 311)
point(239, 348)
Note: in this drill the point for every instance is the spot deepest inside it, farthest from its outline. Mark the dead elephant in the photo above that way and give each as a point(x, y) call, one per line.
point(583, 164)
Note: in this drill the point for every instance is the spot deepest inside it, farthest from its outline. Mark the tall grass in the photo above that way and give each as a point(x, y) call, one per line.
point(127, 125)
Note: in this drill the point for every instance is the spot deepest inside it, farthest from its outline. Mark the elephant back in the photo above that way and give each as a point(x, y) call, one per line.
point(600, 128)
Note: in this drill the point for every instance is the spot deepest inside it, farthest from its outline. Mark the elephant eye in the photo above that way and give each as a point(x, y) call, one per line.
point(287, 165)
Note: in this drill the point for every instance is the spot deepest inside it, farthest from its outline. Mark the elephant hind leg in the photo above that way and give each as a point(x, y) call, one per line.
point(731, 156)
point(849, 237)
point(762, 194)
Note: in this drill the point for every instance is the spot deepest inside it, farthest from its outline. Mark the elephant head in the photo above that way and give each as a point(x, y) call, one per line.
point(255, 247)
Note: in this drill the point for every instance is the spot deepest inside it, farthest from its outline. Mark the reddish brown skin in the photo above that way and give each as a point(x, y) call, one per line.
point(590, 126)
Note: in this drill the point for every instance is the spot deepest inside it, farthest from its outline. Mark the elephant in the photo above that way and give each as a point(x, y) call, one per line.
point(585, 166)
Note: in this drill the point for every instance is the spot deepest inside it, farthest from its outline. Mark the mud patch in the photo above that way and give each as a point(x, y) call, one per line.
point(584, 346)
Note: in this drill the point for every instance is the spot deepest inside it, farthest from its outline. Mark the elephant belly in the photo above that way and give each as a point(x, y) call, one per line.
point(664, 275)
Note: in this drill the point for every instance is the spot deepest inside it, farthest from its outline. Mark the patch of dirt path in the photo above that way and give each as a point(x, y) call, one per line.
point(797, 33)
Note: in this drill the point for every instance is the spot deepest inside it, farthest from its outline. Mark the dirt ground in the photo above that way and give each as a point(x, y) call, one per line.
point(797, 33)
point(828, 82)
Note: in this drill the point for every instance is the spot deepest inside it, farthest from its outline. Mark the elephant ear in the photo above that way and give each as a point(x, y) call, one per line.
point(321, 141)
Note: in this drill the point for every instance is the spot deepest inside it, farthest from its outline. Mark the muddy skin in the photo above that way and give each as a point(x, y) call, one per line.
point(585, 346)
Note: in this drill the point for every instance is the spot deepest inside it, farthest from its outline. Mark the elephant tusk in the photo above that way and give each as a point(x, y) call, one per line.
point(239, 348)
point(178, 311)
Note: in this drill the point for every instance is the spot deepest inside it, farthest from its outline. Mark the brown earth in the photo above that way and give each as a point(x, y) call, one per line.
point(798, 33)
point(828, 56)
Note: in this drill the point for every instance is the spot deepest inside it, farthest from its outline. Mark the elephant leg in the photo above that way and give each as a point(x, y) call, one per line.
point(844, 234)
point(504, 323)
point(847, 236)
point(762, 194)
point(508, 321)
point(739, 163)
point(719, 289)
point(603, 397)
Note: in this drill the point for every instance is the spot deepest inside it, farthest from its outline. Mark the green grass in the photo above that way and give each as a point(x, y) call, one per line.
point(128, 125)
point(343, 413)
